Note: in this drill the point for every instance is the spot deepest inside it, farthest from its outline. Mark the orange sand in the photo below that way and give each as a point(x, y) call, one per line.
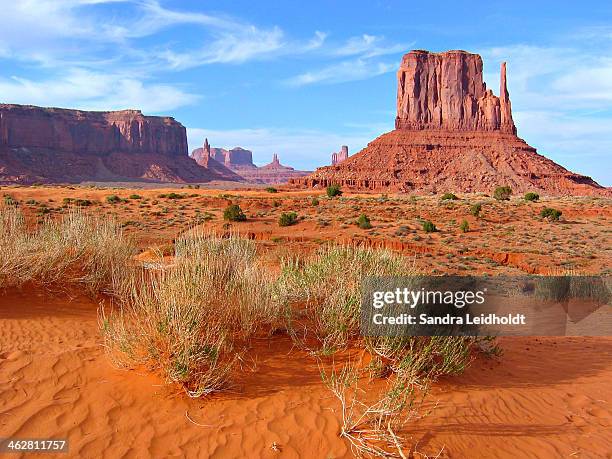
point(547, 397)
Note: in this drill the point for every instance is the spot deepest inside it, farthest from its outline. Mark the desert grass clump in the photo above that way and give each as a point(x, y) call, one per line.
point(234, 213)
point(364, 222)
point(532, 197)
point(429, 227)
point(287, 219)
point(333, 191)
point(502, 193)
point(10, 201)
point(328, 287)
point(464, 226)
point(475, 209)
point(76, 249)
point(190, 321)
point(550, 214)
point(449, 196)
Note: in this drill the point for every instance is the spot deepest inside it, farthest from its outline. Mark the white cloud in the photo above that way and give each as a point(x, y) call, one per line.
point(299, 148)
point(364, 49)
point(368, 46)
point(340, 72)
point(48, 31)
point(83, 89)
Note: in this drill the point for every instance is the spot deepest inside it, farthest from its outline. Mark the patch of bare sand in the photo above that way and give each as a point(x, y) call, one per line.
point(545, 398)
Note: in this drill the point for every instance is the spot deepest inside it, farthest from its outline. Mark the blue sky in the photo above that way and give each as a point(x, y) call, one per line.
point(302, 78)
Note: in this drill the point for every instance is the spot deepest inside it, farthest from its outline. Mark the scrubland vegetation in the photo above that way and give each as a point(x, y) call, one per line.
point(191, 318)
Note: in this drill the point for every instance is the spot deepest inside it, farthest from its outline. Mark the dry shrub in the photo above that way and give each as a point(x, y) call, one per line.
point(75, 249)
point(191, 320)
point(371, 425)
point(329, 285)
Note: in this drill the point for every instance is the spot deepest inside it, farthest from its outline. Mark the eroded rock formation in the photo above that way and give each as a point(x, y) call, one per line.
point(446, 91)
point(340, 156)
point(239, 162)
point(59, 145)
point(452, 134)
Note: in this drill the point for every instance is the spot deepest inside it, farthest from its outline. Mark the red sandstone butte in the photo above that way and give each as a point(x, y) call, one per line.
point(238, 162)
point(272, 173)
point(343, 154)
point(214, 161)
point(70, 146)
point(451, 134)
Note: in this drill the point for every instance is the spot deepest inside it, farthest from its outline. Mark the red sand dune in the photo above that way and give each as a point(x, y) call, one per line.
point(547, 397)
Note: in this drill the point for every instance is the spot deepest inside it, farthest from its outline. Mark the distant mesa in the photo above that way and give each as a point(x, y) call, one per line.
point(342, 155)
point(451, 134)
point(239, 162)
point(55, 145)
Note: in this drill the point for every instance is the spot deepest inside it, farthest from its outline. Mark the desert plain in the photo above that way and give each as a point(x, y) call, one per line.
point(538, 397)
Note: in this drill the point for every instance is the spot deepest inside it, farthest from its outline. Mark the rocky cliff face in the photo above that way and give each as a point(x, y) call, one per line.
point(96, 133)
point(60, 145)
point(447, 91)
point(452, 134)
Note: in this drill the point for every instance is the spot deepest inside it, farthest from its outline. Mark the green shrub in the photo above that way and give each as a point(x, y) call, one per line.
point(314, 202)
point(551, 214)
point(287, 219)
point(175, 196)
point(465, 226)
point(10, 201)
point(364, 222)
point(271, 189)
point(532, 197)
point(475, 209)
point(502, 193)
point(333, 191)
point(449, 196)
point(82, 202)
point(233, 213)
point(113, 199)
point(429, 227)
point(135, 196)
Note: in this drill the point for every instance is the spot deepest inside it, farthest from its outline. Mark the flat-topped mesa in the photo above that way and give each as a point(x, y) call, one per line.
point(83, 132)
point(446, 91)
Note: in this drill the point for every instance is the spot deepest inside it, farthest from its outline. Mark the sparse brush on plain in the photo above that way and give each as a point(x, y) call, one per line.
point(113, 199)
point(233, 213)
point(475, 209)
point(76, 249)
point(550, 214)
point(465, 226)
point(271, 189)
point(364, 222)
point(429, 227)
point(191, 320)
point(502, 193)
point(449, 196)
point(333, 191)
point(287, 219)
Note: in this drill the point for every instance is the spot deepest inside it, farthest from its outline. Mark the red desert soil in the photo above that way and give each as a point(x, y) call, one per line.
point(546, 397)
